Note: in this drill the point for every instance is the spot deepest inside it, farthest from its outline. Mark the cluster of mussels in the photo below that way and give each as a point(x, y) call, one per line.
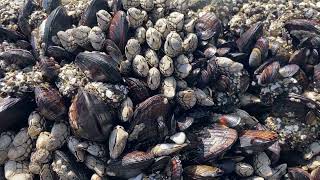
point(155, 89)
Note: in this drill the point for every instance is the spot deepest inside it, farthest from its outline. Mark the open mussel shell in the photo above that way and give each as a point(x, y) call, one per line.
point(130, 165)
point(256, 140)
point(88, 18)
point(50, 103)
point(208, 26)
point(138, 90)
point(14, 112)
point(68, 163)
point(118, 30)
point(100, 67)
point(150, 120)
point(248, 39)
point(202, 172)
point(90, 117)
point(58, 20)
point(208, 143)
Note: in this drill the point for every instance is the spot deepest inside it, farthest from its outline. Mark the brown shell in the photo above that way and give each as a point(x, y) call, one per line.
point(269, 74)
point(131, 164)
point(299, 57)
point(316, 76)
point(208, 26)
point(90, 117)
point(138, 90)
point(256, 140)
point(315, 174)
point(149, 114)
point(50, 103)
point(209, 142)
point(176, 168)
point(49, 68)
point(118, 29)
point(259, 52)
point(202, 172)
point(298, 173)
point(248, 39)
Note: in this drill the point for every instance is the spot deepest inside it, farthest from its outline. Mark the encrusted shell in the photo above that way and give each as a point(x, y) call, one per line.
point(140, 66)
point(153, 38)
point(173, 44)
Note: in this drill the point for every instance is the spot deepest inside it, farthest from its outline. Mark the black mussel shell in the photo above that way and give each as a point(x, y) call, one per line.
point(10, 35)
point(130, 165)
point(101, 67)
point(90, 117)
point(20, 57)
point(24, 14)
point(66, 159)
point(150, 120)
point(59, 53)
point(89, 18)
point(138, 90)
point(58, 20)
point(208, 143)
point(50, 5)
point(118, 30)
point(50, 103)
point(14, 112)
point(49, 68)
point(248, 39)
point(302, 24)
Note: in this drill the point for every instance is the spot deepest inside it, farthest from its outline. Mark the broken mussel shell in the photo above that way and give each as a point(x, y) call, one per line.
point(14, 111)
point(150, 120)
point(100, 67)
point(90, 118)
point(50, 103)
point(256, 140)
point(208, 143)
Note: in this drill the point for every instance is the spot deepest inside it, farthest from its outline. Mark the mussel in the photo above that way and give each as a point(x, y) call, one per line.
point(14, 111)
point(58, 20)
point(100, 67)
point(90, 117)
point(208, 143)
point(118, 30)
point(50, 103)
point(88, 18)
point(150, 120)
point(248, 39)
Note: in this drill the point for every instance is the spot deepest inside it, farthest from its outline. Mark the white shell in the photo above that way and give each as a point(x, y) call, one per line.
point(179, 138)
